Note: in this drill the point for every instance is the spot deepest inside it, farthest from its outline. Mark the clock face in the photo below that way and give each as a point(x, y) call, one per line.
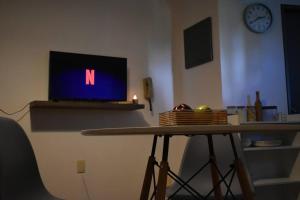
point(258, 17)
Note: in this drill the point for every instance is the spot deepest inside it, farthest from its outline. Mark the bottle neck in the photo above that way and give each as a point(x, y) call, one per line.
point(248, 101)
point(257, 96)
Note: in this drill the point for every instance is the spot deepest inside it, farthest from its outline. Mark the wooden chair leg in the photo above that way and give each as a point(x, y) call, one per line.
point(162, 181)
point(244, 181)
point(148, 179)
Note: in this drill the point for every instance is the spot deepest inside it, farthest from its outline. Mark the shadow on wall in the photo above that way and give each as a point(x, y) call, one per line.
point(76, 120)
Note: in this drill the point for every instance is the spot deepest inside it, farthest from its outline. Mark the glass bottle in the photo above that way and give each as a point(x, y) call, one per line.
point(249, 110)
point(258, 107)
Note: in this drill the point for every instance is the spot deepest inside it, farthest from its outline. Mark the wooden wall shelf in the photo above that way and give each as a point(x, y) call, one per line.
point(85, 105)
point(263, 107)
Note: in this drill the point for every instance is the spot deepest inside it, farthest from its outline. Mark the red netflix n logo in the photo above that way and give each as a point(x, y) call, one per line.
point(89, 77)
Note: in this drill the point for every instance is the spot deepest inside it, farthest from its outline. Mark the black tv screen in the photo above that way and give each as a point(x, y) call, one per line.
point(75, 76)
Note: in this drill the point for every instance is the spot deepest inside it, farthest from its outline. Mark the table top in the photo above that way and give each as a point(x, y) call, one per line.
point(195, 129)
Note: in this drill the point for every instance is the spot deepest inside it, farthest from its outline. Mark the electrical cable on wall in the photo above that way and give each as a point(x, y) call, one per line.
point(85, 187)
point(16, 112)
point(20, 118)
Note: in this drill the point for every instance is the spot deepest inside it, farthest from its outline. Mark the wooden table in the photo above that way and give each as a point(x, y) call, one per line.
point(189, 130)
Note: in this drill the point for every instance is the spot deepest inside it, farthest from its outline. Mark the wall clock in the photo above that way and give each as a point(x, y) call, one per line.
point(258, 17)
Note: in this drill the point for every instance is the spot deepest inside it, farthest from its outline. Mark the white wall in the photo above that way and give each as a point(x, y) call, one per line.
point(252, 61)
point(137, 30)
point(140, 31)
point(201, 84)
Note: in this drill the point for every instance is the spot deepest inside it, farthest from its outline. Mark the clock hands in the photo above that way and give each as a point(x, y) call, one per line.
point(257, 18)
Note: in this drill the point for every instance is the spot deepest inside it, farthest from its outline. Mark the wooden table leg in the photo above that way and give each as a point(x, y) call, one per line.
point(162, 181)
point(214, 171)
point(149, 172)
point(148, 179)
point(243, 179)
point(163, 172)
point(242, 175)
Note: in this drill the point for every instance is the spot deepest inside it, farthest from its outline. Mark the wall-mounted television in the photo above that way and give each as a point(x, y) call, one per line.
point(74, 76)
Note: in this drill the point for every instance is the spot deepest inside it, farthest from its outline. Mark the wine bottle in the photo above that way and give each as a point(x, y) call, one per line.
point(258, 108)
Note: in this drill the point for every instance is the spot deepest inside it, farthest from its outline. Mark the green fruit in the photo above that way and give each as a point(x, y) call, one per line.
point(203, 108)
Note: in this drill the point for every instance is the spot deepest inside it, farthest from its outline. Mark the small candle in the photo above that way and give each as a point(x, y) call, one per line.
point(135, 99)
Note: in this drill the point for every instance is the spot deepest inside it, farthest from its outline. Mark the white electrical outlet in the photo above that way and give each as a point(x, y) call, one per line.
point(80, 166)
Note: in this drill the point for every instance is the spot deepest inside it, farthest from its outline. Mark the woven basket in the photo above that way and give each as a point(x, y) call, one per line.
point(173, 118)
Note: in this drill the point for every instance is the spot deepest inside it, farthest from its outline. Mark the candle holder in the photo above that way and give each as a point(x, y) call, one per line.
point(135, 99)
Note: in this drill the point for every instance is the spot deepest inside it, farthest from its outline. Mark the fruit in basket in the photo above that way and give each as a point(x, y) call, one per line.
point(203, 108)
point(182, 107)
